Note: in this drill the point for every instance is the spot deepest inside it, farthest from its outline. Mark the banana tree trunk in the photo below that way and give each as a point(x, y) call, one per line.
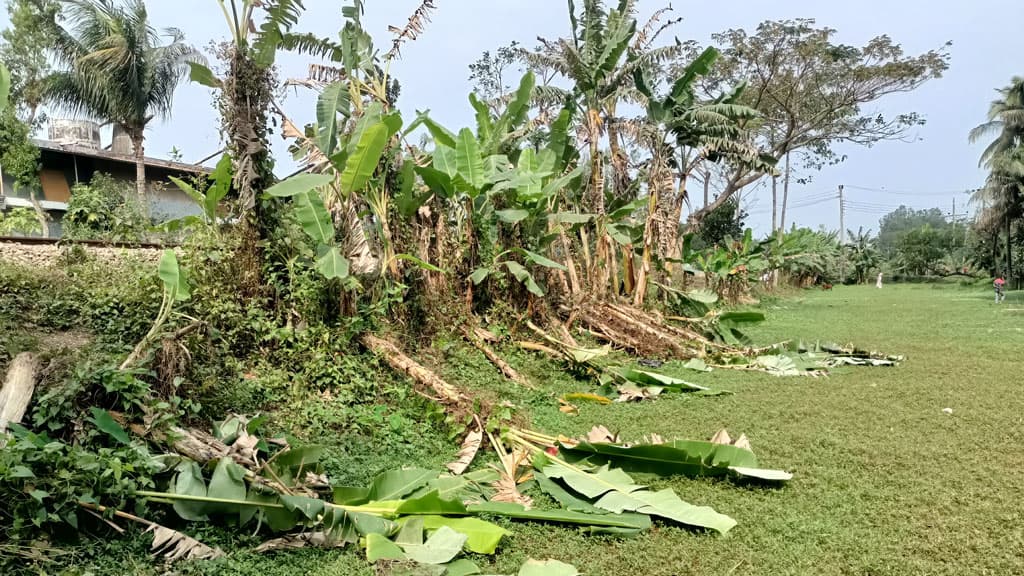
point(670, 242)
point(656, 224)
point(600, 265)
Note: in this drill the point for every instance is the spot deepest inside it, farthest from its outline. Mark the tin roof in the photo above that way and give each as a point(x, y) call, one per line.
point(86, 151)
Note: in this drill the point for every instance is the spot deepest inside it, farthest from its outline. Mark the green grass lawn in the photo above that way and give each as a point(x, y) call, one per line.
point(886, 483)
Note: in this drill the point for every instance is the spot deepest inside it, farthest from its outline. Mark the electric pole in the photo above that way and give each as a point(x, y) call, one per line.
point(842, 235)
point(842, 217)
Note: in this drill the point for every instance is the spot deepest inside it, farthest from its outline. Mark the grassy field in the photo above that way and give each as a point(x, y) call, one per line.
point(886, 482)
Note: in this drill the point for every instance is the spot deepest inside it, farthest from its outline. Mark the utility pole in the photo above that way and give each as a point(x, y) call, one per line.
point(842, 217)
point(842, 235)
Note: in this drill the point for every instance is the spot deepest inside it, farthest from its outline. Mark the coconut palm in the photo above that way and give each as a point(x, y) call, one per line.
point(1001, 197)
point(1005, 122)
point(117, 70)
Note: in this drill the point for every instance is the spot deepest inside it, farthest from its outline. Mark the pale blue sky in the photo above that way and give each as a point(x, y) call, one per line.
point(988, 49)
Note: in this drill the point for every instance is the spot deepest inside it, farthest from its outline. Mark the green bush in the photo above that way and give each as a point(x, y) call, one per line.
point(105, 209)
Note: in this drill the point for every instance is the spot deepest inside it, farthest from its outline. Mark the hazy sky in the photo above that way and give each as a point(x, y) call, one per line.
point(988, 49)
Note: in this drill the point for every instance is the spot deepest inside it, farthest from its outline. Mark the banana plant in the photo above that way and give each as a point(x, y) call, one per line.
point(688, 133)
point(175, 289)
point(207, 196)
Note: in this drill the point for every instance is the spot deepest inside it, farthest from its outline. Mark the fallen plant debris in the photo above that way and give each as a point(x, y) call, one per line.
point(428, 518)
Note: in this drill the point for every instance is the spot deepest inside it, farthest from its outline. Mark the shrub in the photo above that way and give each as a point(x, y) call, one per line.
point(105, 209)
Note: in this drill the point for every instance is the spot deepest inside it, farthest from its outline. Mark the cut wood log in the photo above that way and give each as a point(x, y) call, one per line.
point(507, 370)
point(447, 394)
point(19, 385)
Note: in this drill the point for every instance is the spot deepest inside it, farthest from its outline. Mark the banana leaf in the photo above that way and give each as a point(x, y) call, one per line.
point(682, 457)
point(518, 512)
point(644, 378)
point(467, 486)
point(482, 537)
point(615, 491)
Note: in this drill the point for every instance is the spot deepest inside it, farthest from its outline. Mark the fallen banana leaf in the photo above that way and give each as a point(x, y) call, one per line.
point(518, 512)
point(482, 537)
point(586, 397)
point(470, 486)
point(175, 545)
point(682, 457)
point(442, 546)
point(644, 378)
point(547, 568)
point(462, 567)
point(378, 547)
point(615, 491)
point(395, 484)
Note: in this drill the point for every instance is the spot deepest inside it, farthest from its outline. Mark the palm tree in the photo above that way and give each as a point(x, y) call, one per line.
point(1002, 194)
point(116, 69)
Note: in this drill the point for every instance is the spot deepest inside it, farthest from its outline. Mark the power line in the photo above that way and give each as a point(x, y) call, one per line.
point(911, 192)
point(804, 204)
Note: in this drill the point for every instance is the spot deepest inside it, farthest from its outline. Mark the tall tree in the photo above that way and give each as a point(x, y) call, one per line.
point(1003, 194)
point(896, 224)
point(116, 69)
point(24, 51)
point(812, 91)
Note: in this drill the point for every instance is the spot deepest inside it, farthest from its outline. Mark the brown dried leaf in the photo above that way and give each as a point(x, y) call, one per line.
point(743, 442)
point(245, 446)
point(721, 437)
point(630, 393)
point(655, 439)
point(175, 545)
point(601, 434)
point(567, 408)
point(506, 490)
point(470, 446)
point(294, 541)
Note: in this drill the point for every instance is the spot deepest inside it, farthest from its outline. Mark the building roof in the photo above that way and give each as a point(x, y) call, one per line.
point(86, 151)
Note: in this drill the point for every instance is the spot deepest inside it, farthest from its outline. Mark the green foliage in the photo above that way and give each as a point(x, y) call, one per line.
point(24, 52)
point(81, 296)
point(19, 221)
point(724, 222)
point(19, 157)
point(42, 480)
point(105, 209)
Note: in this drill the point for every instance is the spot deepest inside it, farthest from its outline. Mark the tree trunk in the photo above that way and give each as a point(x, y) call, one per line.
point(707, 188)
point(450, 396)
point(1009, 248)
point(17, 390)
point(138, 144)
point(775, 203)
point(44, 221)
point(785, 196)
point(599, 273)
